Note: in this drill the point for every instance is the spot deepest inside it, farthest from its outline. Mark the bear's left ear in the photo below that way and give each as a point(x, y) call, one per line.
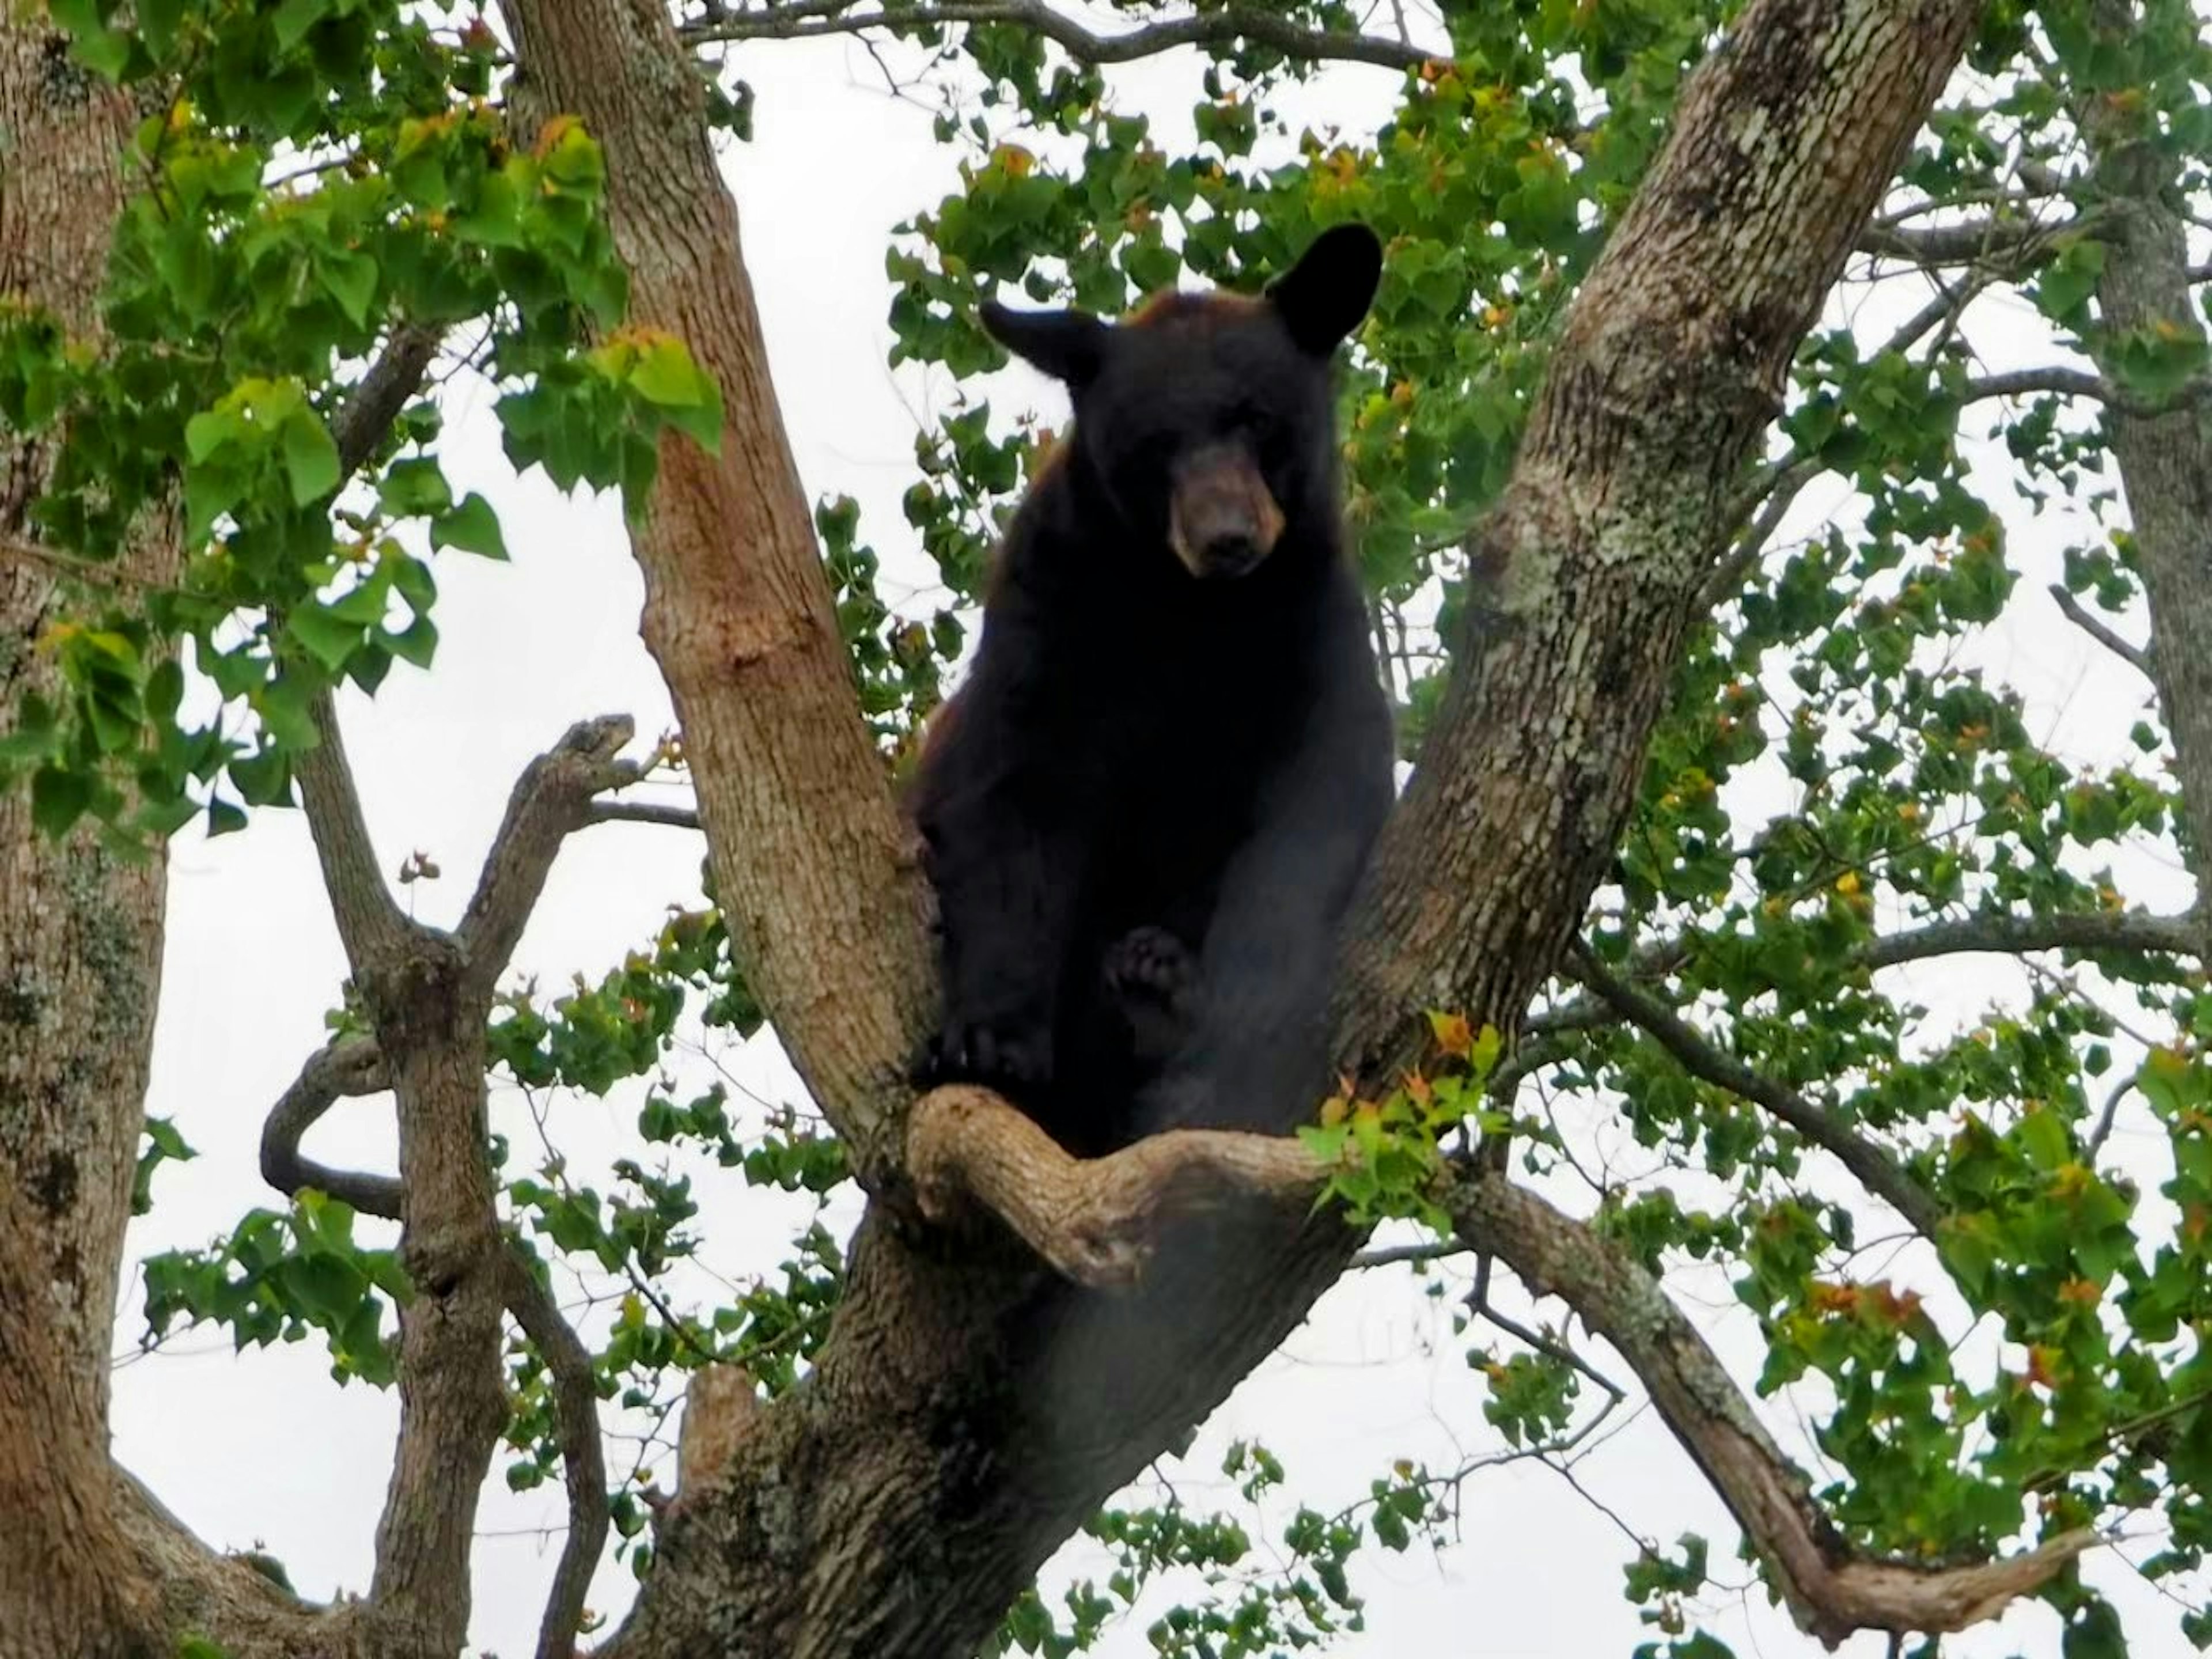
point(1068, 345)
point(1324, 295)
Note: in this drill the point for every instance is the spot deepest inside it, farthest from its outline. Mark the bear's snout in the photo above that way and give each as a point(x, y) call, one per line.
point(1222, 521)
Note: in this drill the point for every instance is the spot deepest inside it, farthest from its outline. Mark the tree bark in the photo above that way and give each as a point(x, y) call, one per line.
point(817, 876)
point(969, 1409)
point(2164, 457)
point(80, 957)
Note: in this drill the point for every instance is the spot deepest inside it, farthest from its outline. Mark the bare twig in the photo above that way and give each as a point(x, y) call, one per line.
point(348, 1065)
point(2134, 655)
point(643, 811)
point(1998, 934)
point(2062, 382)
point(576, 1403)
point(1389, 1255)
point(2110, 1116)
point(1253, 24)
point(1877, 1171)
point(1774, 493)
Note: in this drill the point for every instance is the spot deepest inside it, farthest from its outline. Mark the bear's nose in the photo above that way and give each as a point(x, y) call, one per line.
point(1222, 521)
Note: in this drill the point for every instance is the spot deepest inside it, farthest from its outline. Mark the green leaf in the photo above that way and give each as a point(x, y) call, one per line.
point(164, 689)
point(666, 375)
point(351, 279)
point(472, 527)
point(329, 640)
point(58, 798)
point(416, 643)
point(414, 487)
point(311, 457)
point(296, 17)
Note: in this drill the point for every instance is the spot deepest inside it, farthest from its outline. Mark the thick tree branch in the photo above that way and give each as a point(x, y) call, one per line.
point(2164, 454)
point(1877, 1171)
point(817, 874)
point(347, 1066)
point(1104, 1218)
point(1225, 27)
point(550, 800)
point(371, 925)
point(2007, 935)
point(2003, 246)
point(576, 1404)
point(2056, 381)
point(1831, 1588)
point(950, 1369)
point(1096, 1220)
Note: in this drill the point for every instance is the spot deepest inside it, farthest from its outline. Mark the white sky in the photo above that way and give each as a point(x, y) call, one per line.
point(263, 1450)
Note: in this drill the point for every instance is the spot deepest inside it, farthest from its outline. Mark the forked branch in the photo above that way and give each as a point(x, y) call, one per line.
point(1099, 1220)
point(551, 799)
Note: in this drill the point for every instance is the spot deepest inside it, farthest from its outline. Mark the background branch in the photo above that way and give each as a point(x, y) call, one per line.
point(1875, 1170)
point(576, 1402)
point(1255, 24)
point(1833, 1589)
point(2134, 655)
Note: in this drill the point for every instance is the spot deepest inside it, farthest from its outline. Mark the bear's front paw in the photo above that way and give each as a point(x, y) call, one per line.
point(1150, 967)
point(1013, 1060)
point(1152, 978)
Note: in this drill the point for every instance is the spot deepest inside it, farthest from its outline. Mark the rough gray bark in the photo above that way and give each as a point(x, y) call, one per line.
point(79, 960)
point(2164, 458)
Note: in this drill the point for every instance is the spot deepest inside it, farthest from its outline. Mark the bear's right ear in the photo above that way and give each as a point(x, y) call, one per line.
point(1323, 296)
point(1068, 345)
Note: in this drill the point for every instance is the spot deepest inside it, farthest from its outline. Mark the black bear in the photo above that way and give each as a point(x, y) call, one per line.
point(1145, 812)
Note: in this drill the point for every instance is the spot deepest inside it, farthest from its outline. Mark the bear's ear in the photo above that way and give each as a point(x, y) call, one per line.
point(1068, 345)
point(1324, 295)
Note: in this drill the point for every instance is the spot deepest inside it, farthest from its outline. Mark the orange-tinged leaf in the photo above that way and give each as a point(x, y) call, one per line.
point(1453, 1033)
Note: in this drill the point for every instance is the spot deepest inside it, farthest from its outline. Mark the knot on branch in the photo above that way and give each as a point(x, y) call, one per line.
point(720, 1410)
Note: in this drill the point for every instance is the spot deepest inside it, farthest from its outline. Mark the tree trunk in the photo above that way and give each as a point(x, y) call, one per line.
point(2165, 460)
point(970, 1411)
point(80, 959)
point(817, 877)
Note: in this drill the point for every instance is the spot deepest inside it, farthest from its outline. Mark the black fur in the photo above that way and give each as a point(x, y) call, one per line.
point(1147, 809)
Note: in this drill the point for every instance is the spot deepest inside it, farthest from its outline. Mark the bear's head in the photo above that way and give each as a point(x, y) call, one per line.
point(1206, 418)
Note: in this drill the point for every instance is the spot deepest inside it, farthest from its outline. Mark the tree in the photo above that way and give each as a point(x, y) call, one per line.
point(1687, 796)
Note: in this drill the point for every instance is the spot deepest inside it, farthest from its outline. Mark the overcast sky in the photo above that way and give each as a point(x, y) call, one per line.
point(263, 1450)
